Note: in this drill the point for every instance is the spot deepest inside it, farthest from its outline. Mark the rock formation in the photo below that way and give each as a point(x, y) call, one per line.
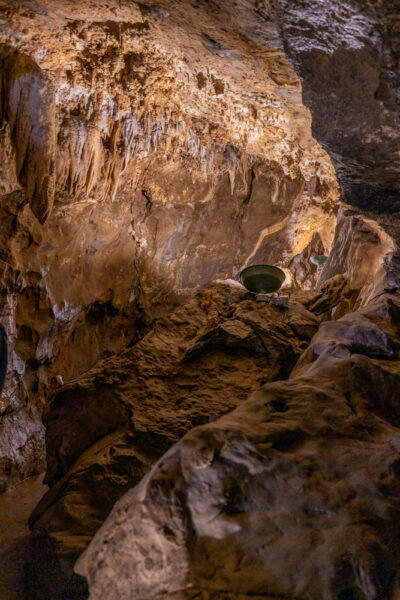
point(146, 149)
point(104, 431)
point(347, 55)
point(149, 149)
point(293, 493)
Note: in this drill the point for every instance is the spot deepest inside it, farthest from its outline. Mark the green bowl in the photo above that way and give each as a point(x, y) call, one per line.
point(262, 279)
point(319, 260)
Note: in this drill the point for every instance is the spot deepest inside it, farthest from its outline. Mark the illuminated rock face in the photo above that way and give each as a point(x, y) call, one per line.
point(146, 149)
point(101, 91)
point(291, 495)
point(106, 429)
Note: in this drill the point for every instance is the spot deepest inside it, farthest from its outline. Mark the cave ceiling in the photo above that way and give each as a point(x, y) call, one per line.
point(146, 149)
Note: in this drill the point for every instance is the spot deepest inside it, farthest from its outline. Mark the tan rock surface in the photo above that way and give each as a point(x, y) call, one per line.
point(196, 364)
point(293, 494)
point(146, 149)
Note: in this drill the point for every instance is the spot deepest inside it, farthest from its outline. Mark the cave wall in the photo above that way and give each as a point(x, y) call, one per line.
point(149, 148)
point(347, 55)
point(293, 494)
point(146, 149)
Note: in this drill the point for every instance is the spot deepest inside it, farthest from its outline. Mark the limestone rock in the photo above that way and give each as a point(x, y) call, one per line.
point(145, 149)
point(193, 366)
point(347, 56)
point(293, 494)
point(30, 110)
point(365, 250)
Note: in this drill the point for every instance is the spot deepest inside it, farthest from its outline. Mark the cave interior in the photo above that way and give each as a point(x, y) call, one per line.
point(164, 434)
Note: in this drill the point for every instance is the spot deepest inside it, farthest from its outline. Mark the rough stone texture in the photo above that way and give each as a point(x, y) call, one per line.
point(348, 57)
point(366, 255)
point(293, 494)
point(195, 365)
point(131, 78)
point(145, 149)
point(59, 322)
point(148, 148)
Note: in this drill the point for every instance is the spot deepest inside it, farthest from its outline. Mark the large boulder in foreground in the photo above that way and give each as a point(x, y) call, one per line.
point(295, 494)
point(107, 428)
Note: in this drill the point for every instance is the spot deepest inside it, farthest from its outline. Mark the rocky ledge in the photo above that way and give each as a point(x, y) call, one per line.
point(295, 493)
point(105, 430)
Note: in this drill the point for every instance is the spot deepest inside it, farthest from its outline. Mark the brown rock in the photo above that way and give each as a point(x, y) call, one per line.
point(181, 374)
point(144, 151)
point(293, 494)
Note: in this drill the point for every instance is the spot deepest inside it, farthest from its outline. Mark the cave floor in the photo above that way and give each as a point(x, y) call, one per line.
point(15, 507)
